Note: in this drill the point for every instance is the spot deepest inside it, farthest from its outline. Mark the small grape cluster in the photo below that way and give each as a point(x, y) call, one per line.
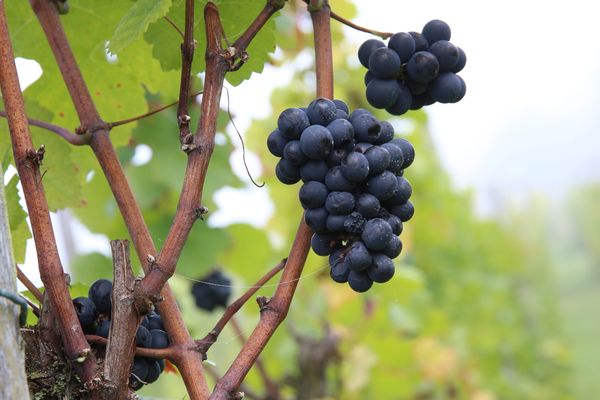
point(212, 290)
point(354, 193)
point(94, 313)
point(414, 69)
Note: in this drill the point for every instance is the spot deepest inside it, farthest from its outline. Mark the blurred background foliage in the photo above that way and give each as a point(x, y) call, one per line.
point(502, 307)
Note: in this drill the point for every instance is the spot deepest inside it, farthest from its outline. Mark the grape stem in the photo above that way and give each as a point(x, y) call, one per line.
point(27, 161)
point(74, 139)
point(339, 18)
point(187, 57)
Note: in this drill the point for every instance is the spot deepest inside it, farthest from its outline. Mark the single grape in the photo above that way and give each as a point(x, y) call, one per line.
point(421, 100)
point(316, 219)
point(154, 321)
point(379, 159)
point(368, 77)
point(367, 205)
point(394, 247)
point(103, 328)
point(382, 93)
point(139, 370)
point(85, 310)
point(160, 339)
point(293, 153)
point(292, 122)
point(446, 54)
point(355, 167)
point(408, 151)
point(395, 224)
point(321, 111)
point(314, 170)
point(402, 103)
point(362, 147)
point(340, 203)
point(421, 43)
point(276, 142)
point(359, 281)
point(342, 132)
point(335, 223)
point(313, 194)
point(403, 44)
point(404, 211)
point(336, 157)
point(382, 269)
point(396, 157)
point(436, 30)
point(462, 61)
point(416, 87)
point(377, 234)
point(447, 88)
point(339, 271)
point(358, 112)
point(143, 337)
point(153, 370)
point(324, 244)
point(422, 67)
point(366, 128)
point(383, 185)
point(100, 293)
point(341, 114)
point(358, 256)
point(354, 223)
point(386, 132)
point(335, 180)
point(287, 172)
point(316, 141)
point(402, 194)
point(340, 105)
point(366, 49)
point(385, 63)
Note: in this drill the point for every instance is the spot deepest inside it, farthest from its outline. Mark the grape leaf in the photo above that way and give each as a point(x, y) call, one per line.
point(135, 22)
point(19, 230)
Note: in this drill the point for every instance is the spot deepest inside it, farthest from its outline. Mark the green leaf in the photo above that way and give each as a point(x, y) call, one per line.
point(19, 230)
point(135, 22)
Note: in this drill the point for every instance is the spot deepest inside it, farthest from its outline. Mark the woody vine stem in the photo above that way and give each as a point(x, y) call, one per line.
point(159, 266)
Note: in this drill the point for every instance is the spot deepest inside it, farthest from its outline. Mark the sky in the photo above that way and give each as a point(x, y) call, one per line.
point(529, 123)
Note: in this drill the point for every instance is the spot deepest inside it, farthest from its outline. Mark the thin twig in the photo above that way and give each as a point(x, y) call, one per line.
point(76, 140)
point(187, 57)
point(205, 343)
point(29, 285)
point(172, 23)
point(383, 35)
point(148, 114)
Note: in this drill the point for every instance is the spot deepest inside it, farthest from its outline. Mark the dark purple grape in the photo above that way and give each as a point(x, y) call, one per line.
point(421, 44)
point(377, 234)
point(362, 147)
point(402, 103)
point(340, 203)
point(100, 293)
point(341, 114)
point(394, 247)
point(383, 185)
point(415, 87)
point(408, 151)
point(358, 256)
point(313, 194)
point(366, 49)
point(85, 310)
point(293, 153)
point(339, 271)
point(386, 133)
point(355, 167)
point(358, 112)
point(335, 223)
point(155, 321)
point(153, 370)
point(385, 63)
point(422, 67)
point(359, 281)
point(324, 244)
point(395, 224)
point(276, 142)
point(316, 219)
point(336, 157)
point(382, 93)
point(421, 100)
point(316, 142)
point(447, 88)
point(404, 211)
point(314, 170)
point(379, 159)
point(366, 128)
point(103, 328)
point(335, 180)
point(160, 339)
point(292, 122)
point(139, 370)
point(446, 54)
point(342, 132)
point(340, 105)
point(212, 290)
point(367, 205)
point(436, 30)
point(368, 77)
point(396, 157)
point(143, 337)
point(382, 269)
point(321, 111)
point(462, 61)
point(287, 172)
point(402, 194)
point(403, 44)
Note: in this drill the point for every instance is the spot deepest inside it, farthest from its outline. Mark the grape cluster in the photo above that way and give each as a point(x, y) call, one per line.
point(354, 193)
point(414, 69)
point(212, 290)
point(94, 314)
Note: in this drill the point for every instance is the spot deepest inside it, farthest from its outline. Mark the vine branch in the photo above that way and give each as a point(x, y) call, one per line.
point(76, 140)
point(187, 57)
point(28, 163)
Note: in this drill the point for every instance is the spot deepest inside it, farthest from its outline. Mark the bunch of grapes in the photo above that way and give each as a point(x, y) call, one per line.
point(212, 290)
point(414, 69)
point(354, 192)
point(94, 314)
